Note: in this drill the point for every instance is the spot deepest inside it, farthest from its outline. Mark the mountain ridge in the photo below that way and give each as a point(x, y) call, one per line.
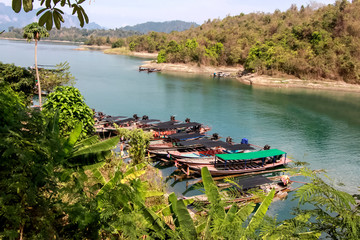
point(10, 19)
point(167, 26)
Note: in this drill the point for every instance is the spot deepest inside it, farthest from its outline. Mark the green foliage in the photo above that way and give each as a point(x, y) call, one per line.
point(51, 13)
point(12, 108)
point(34, 31)
point(308, 43)
point(138, 141)
point(161, 58)
point(132, 46)
point(333, 211)
point(119, 43)
point(56, 77)
point(19, 79)
point(181, 217)
point(70, 188)
point(72, 109)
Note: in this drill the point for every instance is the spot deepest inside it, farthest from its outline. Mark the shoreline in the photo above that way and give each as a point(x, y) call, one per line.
point(192, 68)
point(232, 72)
point(255, 79)
point(43, 40)
point(125, 51)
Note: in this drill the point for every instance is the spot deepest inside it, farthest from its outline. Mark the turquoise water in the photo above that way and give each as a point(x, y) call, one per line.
point(319, 127)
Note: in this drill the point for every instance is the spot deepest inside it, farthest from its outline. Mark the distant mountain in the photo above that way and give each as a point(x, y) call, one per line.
point(8, 18)
point(166, 27)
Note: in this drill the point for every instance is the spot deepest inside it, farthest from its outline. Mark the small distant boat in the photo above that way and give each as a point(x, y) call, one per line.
point(153, 70)
point(143, 69)
point(237, 163)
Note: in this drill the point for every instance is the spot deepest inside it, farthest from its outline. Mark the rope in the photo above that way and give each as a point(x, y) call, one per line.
point(255, 145)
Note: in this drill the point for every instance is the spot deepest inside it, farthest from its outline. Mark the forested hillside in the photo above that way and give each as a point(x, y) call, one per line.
point(307, 42)
point(166, 27)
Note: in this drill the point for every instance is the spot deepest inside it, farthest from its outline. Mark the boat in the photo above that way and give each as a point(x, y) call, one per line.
point(170, 141)
point(238, 163)
point(153, 70)
point(245, 189)
point(164, 129)
point(210, 148)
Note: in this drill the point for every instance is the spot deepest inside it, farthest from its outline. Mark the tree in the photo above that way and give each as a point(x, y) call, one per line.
point(138, 141)
point(72, 109)
point(51, 13)
point(11, 110)
point(56, 77)
point(119, 43)
point(21, 80)
point(36, 32)
point(42, 174)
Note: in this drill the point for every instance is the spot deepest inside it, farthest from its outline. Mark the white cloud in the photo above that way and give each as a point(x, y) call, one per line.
point(4, 19)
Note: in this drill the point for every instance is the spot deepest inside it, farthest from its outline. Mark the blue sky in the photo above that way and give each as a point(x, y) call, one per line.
point(118, 13)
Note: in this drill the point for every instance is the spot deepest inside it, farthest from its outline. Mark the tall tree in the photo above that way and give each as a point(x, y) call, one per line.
point(36, 32)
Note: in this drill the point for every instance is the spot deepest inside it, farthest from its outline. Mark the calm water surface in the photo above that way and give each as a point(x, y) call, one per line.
point(319, 127)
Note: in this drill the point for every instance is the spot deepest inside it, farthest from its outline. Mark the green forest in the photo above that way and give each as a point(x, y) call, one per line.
point(306, 42)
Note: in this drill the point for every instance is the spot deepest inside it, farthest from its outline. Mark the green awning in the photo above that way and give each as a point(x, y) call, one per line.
point(250, 155)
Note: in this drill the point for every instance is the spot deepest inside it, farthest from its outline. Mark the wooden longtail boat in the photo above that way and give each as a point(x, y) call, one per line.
point(170, 142)
point(211, 148)
point(237, 163)
point(162, 130)
point(196, 161)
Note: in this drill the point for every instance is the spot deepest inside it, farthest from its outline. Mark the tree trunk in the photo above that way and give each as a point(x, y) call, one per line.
point(36, 69)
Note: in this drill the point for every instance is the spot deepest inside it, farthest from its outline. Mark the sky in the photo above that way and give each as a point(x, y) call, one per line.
point(119, 13)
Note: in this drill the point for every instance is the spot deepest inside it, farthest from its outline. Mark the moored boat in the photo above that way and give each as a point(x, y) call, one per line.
point(237, 163)
point(210, 148)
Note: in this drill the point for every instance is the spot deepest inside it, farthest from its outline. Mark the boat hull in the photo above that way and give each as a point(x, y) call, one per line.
point(216, 171)
point(197, 161)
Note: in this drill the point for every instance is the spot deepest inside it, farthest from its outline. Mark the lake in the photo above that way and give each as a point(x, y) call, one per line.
point(319, 127)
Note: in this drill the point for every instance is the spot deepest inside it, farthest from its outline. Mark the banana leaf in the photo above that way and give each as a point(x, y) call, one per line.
point(186, 223)
point(102, 146)
point(212, 193)
point(260, 213)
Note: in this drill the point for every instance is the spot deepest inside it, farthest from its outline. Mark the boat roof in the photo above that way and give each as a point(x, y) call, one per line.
point(112, 119)
point(251, 182)
point(211, 143)
point(185, 136)
point(171, 125)
point(124, 121)
point(235, 147)
point(149, 121)
point(250, 155)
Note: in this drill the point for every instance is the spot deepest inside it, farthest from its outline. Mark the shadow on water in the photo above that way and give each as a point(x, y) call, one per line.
point(342, 106)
